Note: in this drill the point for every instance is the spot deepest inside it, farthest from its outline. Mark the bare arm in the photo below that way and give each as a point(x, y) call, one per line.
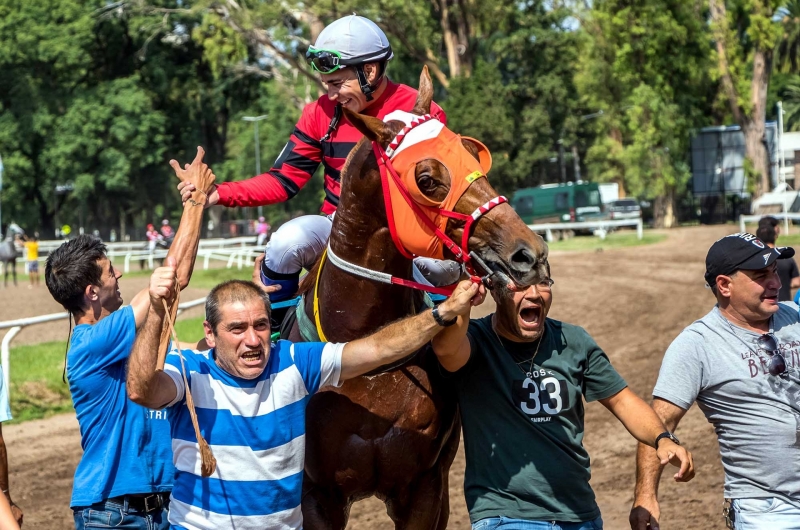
point(402, 338)
point(648, 471)
point(795, 282)
point(17, 512)
point(7, 517)
point(187, 238)
point(452, 346)
point(147, 386)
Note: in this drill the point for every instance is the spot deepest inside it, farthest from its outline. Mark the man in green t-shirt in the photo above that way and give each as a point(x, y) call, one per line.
point(521, 380)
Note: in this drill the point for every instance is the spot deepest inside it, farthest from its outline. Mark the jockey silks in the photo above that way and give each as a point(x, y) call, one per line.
point(431, 140)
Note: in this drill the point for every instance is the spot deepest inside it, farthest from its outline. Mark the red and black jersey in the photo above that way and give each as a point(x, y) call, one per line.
point(307, 148)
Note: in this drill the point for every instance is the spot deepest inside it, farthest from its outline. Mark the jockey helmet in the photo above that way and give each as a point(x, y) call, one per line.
point(351, 41)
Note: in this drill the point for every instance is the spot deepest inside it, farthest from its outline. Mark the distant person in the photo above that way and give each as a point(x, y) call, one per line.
point(153, 237)
point(125, 474)
point(32, 249)
point(167, 231)
point(66, 230)
point(739, 364)
point(768, 220)
point(262, 229)
point(787, 268)
point(5, 415)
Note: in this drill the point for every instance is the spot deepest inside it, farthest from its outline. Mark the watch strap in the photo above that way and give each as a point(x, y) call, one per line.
point(666, 434)
point(439, 320)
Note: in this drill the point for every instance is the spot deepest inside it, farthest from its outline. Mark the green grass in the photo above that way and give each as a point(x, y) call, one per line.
point(37, 390)
point(613, 240)
point(206, 279)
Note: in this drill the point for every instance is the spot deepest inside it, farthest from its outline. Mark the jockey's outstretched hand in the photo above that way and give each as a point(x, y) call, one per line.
point(196, 176)
point(187, 188)
point(257, 277)
point(163, 284)
point(466, 295)
point(672, 453)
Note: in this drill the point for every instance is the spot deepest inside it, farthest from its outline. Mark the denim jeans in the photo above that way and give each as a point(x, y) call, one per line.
point(109, 514)
point(506, 523)
point(769, 513)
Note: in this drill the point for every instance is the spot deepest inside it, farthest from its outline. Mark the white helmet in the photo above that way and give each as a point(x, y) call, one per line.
point(350, 41)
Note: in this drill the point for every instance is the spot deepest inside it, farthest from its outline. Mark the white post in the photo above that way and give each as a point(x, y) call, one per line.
point(639, 229)
point(5, 356)
point(741, 222)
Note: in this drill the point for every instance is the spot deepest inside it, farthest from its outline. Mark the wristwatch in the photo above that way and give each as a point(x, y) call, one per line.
point(439, 320)
point(669, 435)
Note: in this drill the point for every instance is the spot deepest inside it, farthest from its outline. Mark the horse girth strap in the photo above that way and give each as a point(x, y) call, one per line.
point(208, 462)
point(320, 333)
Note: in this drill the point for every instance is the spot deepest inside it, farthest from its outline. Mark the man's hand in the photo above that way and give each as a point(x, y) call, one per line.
point(645, 514)
point(672, 453)
point(257, 277)
point(187, 188)
point(163, 285)
point(466, 295)
point(197, 176)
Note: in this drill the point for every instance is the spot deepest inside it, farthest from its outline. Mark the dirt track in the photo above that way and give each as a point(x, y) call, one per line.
point(632, 301)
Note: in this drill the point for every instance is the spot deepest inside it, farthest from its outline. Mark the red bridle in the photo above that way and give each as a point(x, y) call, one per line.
point(387, 170)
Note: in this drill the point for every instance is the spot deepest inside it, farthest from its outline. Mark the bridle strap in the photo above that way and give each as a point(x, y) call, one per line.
point(383, 277)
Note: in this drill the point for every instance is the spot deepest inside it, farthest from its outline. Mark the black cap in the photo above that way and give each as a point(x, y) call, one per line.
point(741, 252)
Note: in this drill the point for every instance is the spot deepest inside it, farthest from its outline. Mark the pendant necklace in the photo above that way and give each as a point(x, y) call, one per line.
point(529, 373)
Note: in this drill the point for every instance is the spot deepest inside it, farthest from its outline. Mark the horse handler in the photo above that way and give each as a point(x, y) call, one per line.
point(125, 474)
point(250, 397)
point(521, 379)
point(740, 364)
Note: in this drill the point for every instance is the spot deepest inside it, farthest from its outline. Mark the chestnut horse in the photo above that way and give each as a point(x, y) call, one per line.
point(394, 433)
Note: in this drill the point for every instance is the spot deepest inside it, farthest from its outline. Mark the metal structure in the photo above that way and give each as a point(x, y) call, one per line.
point(601, 225)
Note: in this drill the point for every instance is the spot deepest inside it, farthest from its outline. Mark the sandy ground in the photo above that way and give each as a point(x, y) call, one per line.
point(632, 301)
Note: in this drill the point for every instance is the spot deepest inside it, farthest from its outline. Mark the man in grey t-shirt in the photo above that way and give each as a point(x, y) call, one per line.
point(740, 363)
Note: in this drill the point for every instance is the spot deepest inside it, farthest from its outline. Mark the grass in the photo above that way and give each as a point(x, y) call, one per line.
point(613, 240)
point(37, 390)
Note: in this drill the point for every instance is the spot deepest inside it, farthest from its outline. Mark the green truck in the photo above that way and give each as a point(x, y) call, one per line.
point(558, 203)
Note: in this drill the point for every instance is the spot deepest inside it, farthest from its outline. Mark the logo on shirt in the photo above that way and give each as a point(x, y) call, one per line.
point(540, 396)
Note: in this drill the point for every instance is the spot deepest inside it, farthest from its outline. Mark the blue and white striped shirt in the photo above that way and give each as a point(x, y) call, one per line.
point(256, 430)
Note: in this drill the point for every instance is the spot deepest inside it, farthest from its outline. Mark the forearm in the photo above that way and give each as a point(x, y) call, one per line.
point(638, 418)
point(451, 345)
point(648, 472)
point(4, 469)
point(390, 344)
point(143, 378)
point(261, 190)
point(187, 239)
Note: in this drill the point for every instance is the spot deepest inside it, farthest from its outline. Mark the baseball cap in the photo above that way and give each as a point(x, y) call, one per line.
point(741, 251)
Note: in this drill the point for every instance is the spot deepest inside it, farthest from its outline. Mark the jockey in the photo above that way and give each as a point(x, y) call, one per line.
point(351, 56)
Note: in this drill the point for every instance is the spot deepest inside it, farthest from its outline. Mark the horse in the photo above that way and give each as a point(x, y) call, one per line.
point(8, 257)
point(393, 433)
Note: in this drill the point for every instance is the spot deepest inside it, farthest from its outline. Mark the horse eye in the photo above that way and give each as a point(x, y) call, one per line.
point(425, 182)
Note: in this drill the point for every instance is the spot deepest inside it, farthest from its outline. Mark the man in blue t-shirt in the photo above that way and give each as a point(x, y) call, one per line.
point(125, 475)
point(251, 396)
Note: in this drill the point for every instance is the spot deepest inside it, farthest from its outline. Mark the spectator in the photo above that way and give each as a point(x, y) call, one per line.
point(5, 415)
point(787, 268)
point(262, 229)
point(153, 237)
point(32, 248)
point(167, 230)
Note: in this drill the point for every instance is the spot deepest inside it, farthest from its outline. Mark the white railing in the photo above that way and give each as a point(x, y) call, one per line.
point(778, 215)
point(15, 326)
point(602, 225)
point(121, 246)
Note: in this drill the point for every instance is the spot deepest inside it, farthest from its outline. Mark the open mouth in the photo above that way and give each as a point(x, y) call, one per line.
point(530, 318)
point(253, 357)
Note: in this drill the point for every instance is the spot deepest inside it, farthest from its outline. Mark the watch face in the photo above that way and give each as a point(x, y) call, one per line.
point(674, 438)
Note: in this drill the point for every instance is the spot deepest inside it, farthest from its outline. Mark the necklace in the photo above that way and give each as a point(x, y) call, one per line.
point(530, 368)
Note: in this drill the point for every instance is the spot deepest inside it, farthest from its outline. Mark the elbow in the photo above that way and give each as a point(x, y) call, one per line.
point(136, 392)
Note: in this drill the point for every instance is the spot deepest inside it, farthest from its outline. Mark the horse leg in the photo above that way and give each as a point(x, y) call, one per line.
point(14, 271)
point(424, 505)
point(323, 510)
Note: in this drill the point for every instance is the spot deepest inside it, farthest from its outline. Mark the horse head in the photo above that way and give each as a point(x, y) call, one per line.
point(440, 172)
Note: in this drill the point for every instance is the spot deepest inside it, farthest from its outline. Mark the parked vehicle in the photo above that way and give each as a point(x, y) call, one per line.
point(623, 209)
point(558, 203)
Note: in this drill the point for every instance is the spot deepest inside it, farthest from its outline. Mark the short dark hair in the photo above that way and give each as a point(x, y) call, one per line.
point(768, 220)
point(232, 291)
point(73, 266)
point(766, 233)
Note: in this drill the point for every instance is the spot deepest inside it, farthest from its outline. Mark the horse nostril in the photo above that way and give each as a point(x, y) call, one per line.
point(523, 257)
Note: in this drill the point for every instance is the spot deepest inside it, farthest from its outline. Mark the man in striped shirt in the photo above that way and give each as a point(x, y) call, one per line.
point(251, 397)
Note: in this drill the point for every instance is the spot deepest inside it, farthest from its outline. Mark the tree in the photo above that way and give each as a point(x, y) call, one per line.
point(745, 36)
point(645, 67)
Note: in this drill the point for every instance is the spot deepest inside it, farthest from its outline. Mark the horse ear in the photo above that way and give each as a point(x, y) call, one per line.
point(479, 151)
point(373, 128)
point(424, 94)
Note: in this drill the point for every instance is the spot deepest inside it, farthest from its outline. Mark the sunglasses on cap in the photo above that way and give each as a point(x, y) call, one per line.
point(777, 363)
point(324, 61)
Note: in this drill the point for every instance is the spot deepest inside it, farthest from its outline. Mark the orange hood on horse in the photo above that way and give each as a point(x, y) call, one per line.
point(430, 141)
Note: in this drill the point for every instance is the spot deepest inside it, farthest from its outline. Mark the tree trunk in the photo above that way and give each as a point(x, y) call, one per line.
point(450, 39)
point(664, 210)
point(754, 125)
